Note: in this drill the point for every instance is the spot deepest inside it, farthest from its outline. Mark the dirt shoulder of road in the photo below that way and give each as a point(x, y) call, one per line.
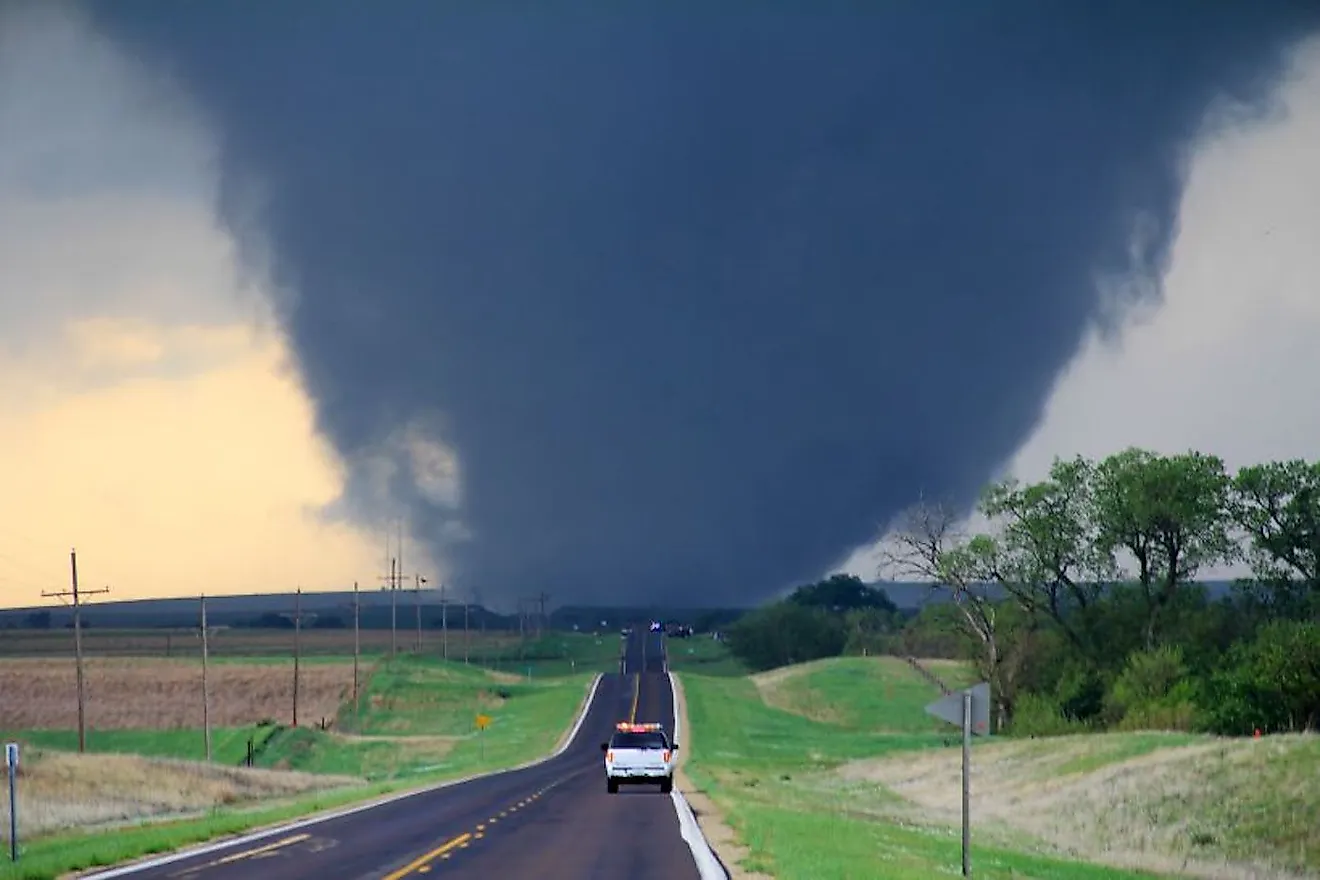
point(722, 839)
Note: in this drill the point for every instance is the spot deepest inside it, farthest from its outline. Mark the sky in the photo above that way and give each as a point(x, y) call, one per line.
point(1225, 361)
point(667, 304)
point(150, 413)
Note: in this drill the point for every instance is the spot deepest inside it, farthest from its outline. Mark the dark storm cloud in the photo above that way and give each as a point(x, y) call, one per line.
point(701, 296)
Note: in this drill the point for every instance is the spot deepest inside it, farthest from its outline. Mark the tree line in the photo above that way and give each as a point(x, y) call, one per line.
point(1080, 601)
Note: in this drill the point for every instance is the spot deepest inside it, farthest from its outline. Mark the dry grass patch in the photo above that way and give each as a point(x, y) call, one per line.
point(1213, 808)
point(61, 790)
point(161, 694)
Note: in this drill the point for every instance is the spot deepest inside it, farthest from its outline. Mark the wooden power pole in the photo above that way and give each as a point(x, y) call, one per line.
point(542, 621)
point(206, 694)
point(418, 580)
point(357, 650)
point(297, 649)
point(394, 608)
point(444, 623)
point(76, 596)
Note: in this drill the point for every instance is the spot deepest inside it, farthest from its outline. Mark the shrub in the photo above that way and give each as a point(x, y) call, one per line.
point(1152, 691)
point(1036, 715)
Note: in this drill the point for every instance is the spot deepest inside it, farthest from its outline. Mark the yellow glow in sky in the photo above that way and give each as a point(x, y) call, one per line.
point(168, 484)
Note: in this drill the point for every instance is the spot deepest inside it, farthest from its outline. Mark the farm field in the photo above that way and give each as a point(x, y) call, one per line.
point(874, 785)
point(166, 693)
point(249, 643)
point(414, 724)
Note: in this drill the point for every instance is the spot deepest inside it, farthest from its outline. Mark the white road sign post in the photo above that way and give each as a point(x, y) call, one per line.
point(11, 763)
point(970, 710)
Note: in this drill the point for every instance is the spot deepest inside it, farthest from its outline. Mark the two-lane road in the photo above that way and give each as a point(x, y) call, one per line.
point(552, 820)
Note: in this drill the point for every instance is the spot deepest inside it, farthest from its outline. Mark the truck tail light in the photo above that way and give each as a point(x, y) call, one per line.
point(666, 758)
point(609, 757)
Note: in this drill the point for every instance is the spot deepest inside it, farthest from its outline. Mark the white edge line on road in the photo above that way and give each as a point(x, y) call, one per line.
point(255, 836)
point(708, 866)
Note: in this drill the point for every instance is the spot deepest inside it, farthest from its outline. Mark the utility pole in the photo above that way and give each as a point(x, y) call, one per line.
point(418, 580)
point(297, 648)
point(392, 585)
point(467, 633)
point(398, 577)
point(542, 620)
point(357, 650)
point(444, 623)
point(206, 694)
point(77, 641)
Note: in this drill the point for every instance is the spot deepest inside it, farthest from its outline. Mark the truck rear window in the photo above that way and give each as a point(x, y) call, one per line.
point(639, 741)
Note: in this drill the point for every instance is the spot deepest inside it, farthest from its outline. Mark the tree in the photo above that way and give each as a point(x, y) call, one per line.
point(785, 632)
point(1170, 514)
point(1270, 683)
point(1047, 555)
point(842, 592)
point(926, 544)
point(1277, 505)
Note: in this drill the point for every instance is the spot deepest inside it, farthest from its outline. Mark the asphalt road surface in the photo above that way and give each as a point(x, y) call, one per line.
point(554, 820)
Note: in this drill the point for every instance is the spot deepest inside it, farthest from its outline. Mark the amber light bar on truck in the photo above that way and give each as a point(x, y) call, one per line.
point(628, 727)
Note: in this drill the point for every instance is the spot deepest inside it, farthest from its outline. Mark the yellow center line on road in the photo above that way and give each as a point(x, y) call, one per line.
point(245, 854)
point(637, 695)
point(423, 861)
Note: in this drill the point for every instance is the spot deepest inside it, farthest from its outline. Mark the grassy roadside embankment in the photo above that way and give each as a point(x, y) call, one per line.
point(416, 727)
point(769, 751)
point(832, 770)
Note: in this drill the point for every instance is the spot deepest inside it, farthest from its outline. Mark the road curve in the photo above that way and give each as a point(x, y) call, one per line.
point(551, 820)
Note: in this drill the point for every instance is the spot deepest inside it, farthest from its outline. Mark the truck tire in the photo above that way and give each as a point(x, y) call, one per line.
point(612, 786)
point(667, 785)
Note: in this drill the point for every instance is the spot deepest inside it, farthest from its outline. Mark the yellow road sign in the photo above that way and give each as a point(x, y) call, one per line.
point(483, 721)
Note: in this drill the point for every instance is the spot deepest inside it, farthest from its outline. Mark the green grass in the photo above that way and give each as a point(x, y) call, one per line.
point(430, 698)
point(1102, 751)
point(864, 693)
point(704, 656)
point(737, 731)
point(427, 696)
point(754, 760)
point(228, 744)
point(555, 654)
point(829, 846)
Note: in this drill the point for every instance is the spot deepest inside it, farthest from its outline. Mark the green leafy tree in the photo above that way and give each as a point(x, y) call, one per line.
point(1277, 505)
point(1270, 683)
point(786, 632)
point(842, 592)
point(1048, 548)
point(1170, 513)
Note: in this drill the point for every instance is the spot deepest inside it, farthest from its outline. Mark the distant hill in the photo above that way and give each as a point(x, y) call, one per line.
point(336, 608)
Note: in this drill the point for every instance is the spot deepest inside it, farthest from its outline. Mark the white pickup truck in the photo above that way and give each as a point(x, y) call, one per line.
point(638, 754)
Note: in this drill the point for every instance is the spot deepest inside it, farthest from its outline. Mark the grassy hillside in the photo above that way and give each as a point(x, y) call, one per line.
point(1158, 799)
point(832, 769)
point(774, 770)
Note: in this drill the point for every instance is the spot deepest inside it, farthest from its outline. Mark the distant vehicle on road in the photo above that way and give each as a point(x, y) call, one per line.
point(639, 754)
point(657, 626)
